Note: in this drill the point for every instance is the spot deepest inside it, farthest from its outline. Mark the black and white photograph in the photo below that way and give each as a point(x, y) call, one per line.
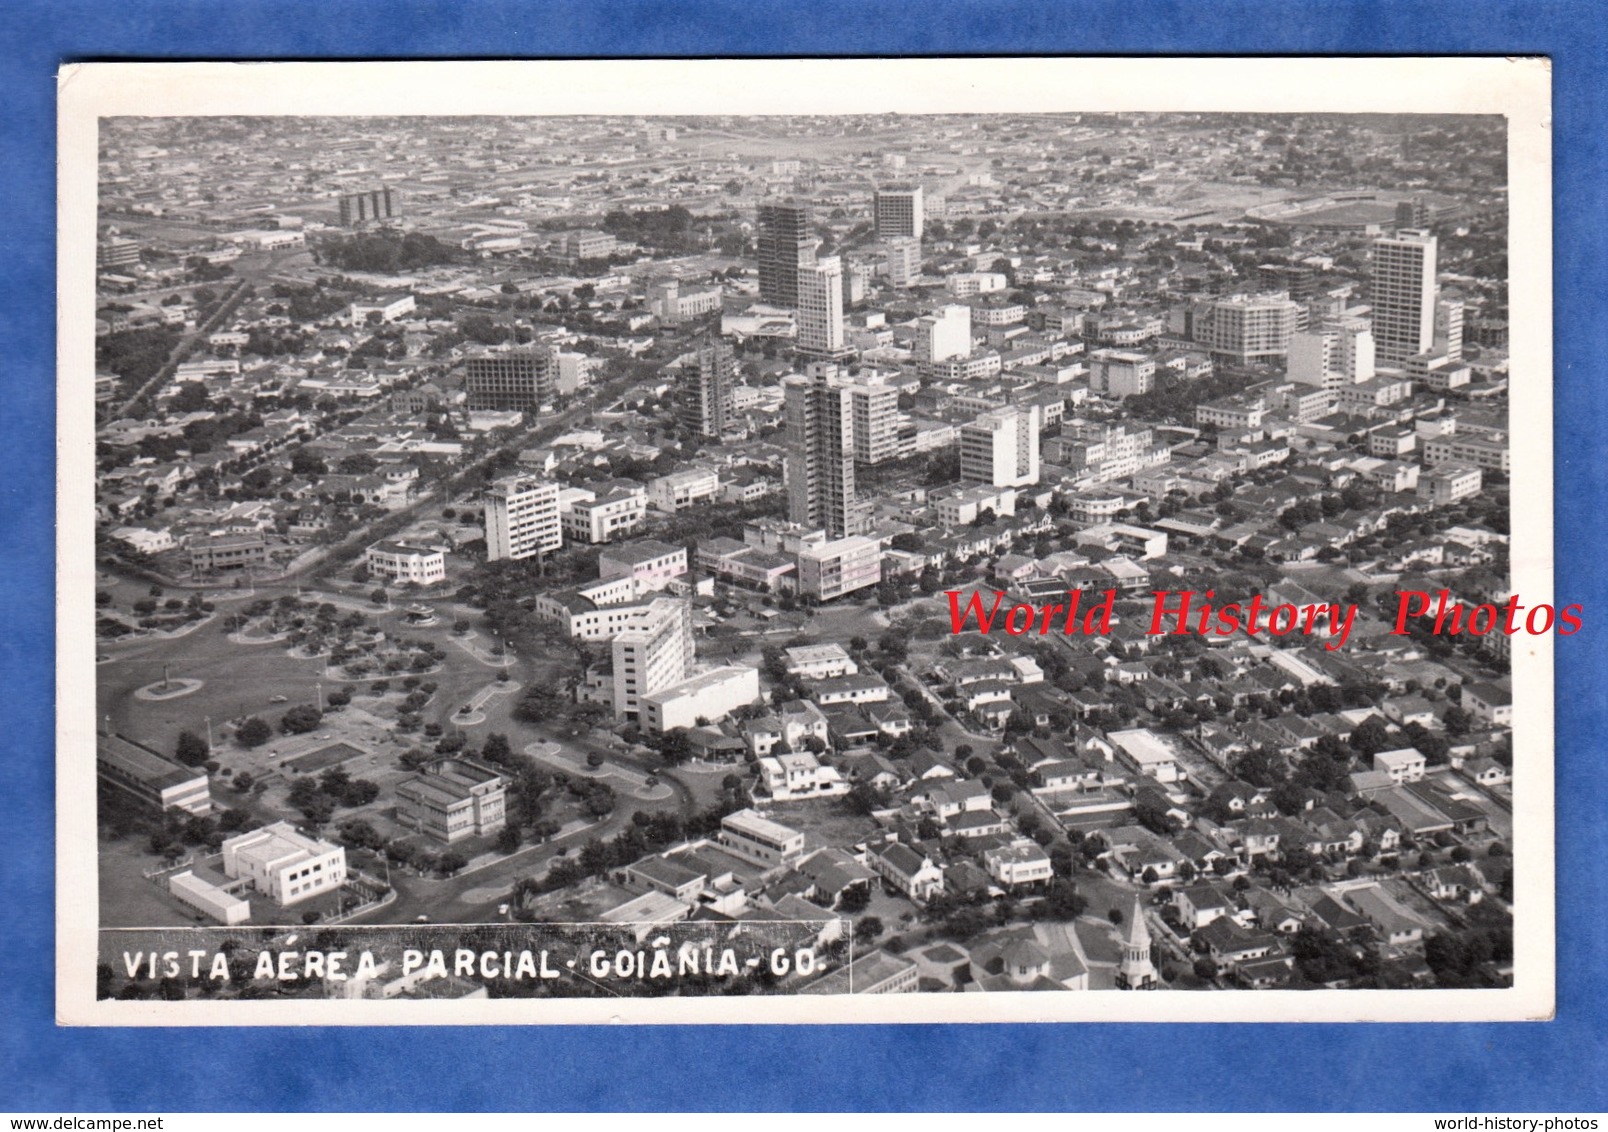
point(680, 547)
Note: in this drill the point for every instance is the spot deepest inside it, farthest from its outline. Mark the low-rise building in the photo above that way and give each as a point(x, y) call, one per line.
point(700, 699)
point(651, 563)
point(404, 563)
point(1404, 765)
point(284, 865)
point(753, 837)
point(800, 775)
point(820, 662)
point(1020, 863)
point(152, 778)
point(452, 799)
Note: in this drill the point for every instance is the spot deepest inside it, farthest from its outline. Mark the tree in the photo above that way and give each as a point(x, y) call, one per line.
point(301, 719)
point(508, 840)
point(869, 927)
point(855, 899)
point(192, 750)
point(253, 732)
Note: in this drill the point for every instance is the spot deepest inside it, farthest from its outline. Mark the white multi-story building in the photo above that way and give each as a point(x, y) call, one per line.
point(820, 453)
point(1339, 353)
point(944, 334)
point(820, 308)
point(964, 284)
point(591, 518)
point(1449, 483)
point(1247, 328)
point(685, 488)
point(284, 865)
point(799, 775)
point(760, 840)
point(820, 662)
point(1020, 863)
point(960, 505)
point(653, 652)
point(830, 570)
point(902, 255)
point(402, 563)
point(648, 562)
point(1001, 447)
point(1121, 373)
point(876, 419)
point(1403, 295)
point(700, 699)
point(521, 519)
point(1482, 451)
point(898, 211)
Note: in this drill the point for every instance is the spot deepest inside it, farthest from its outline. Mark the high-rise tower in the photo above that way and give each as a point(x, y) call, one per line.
point(786, 247)
point(1403, 295)
point(820, 454)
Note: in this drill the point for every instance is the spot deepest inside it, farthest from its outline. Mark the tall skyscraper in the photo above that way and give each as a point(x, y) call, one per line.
point(521, 518)
point(897, 212)
point(1001, 447)
point(705, 390)
point(820, 309)
point(1403, 295)
point(820, 453)
point(786, 247)
point(654, 651)
point(516, 379)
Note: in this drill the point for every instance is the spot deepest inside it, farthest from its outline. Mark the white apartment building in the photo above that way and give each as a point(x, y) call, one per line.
point(760, 840)
point(284, 865)
point(1402, 295)
point(944, 334)
point(652, 652)
point(521, 519)
point(959, 506)
point(1481, 451)
point(842, 566)
point(591, 518)
point(1449, 483)
point(820, 308)
point(1340, 353)
point(964, 284)
point(1001, 447)
point(876, 419)
point(402, 563)
point(1121, 373)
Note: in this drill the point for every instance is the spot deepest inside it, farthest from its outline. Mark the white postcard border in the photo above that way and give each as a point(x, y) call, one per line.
point(1517, 88)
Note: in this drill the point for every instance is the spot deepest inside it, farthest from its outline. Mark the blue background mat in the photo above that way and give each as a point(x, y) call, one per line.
point(1556, 1066)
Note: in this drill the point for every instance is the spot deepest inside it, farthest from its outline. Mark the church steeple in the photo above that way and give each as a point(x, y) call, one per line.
point(1136, 972)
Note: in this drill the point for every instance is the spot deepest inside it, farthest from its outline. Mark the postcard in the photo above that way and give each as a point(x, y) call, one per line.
point(799, 541)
